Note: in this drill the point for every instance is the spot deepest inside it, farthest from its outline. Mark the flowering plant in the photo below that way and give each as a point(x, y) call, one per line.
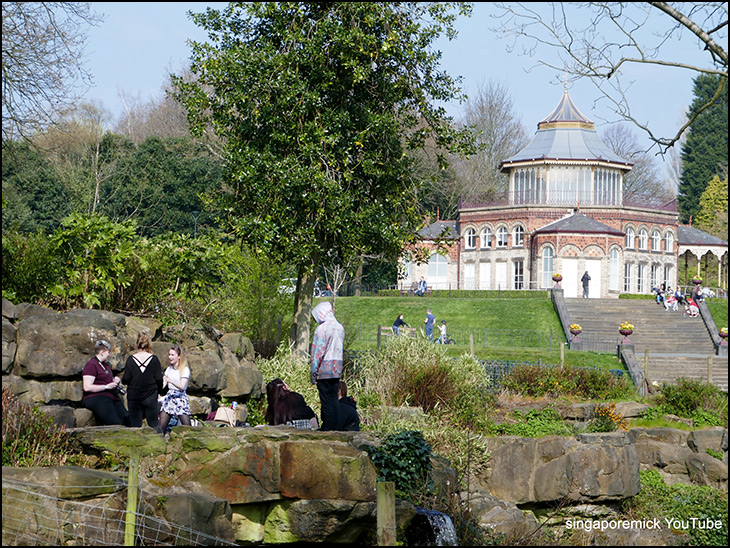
point(626, 325)
point(576, 326)
point(696, 279)
point(723, 330)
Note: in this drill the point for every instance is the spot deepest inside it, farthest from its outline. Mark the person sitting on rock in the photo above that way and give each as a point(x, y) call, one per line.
point(100, 387)
point(286, 407)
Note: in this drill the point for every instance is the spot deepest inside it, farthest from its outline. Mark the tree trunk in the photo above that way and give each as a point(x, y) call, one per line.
point(303, 309)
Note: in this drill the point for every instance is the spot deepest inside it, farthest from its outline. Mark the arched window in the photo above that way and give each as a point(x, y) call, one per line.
point(656, 241)
point(486, 237)
point(518, 236)
point(470, 237)
point(630, 236)
point(643, 239)
point(547, 267)
point(669, 242)
point(502, 237)
point(613, 279)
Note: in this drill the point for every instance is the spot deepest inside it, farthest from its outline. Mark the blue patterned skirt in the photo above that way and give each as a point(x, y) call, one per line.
point(176, 403)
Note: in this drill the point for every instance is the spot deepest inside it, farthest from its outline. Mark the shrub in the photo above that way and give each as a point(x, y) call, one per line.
point(681, 502)
point(419, 373)
point(535, 424)
point(31, 267)
point(405, 459)
point(586, 383)
point(607, 419)
point(30, 438)
point(703, 402)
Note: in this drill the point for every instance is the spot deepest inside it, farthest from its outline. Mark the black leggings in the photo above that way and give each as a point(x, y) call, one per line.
point(148, 409)
point(165, 420)
point(107, 411)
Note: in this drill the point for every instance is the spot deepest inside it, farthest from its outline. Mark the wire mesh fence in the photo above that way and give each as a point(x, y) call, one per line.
point(33, 517)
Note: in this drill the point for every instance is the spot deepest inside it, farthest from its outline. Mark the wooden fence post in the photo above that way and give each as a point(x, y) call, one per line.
point(132, 492)
point(386, 513)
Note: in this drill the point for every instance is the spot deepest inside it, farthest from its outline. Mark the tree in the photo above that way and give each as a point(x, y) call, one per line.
point(500, 135)
point(316, 104)
point(704, 154)
point(643, 184)
point(712, 214)
point(599, 40)
point(42, 62)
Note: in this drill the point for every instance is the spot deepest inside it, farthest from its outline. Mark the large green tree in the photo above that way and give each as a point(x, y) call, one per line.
point(704, 154)
point(317, 104)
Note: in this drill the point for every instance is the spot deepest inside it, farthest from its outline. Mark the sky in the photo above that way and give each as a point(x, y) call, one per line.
point(138, 43)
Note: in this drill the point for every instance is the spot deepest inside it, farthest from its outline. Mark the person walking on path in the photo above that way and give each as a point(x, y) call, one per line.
point(429, 321)
point(327, 362)
point(585, 279)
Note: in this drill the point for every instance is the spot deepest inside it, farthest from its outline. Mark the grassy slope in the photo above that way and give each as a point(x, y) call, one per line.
point(718, 309)
point(464, 314)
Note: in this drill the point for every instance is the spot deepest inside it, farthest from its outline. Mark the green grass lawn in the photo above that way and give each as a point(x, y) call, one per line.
point(503, 329)
point(718, 309)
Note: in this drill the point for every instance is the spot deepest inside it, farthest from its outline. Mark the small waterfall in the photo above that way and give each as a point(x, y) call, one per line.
point(431, 528)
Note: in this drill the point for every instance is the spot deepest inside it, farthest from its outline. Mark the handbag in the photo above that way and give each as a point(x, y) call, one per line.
point(225, 415)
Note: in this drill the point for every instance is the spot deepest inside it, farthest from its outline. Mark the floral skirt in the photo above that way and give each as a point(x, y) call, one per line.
point(176, 403)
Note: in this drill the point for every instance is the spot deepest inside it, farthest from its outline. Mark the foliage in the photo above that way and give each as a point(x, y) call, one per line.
point(30, 437)
point(702, 402)
point(584, 383)
point(31, 266)
point(249, 296)
point(417, 372)
point(97, 252)
point(681, 502)
point(405, 459)
point(35, 198)
point(534, 424)
point(712, 215)
point(704, 154)
point(607, 419)
point(317, 104)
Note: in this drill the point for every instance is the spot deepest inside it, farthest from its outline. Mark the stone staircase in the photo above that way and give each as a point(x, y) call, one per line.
point(677, 345)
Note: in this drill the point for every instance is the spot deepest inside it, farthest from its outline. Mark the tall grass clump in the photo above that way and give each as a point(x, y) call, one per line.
point(30, 438)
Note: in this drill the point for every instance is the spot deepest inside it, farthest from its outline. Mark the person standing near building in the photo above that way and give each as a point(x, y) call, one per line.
point(327, 361)
point(585, 279)
point(429, 321)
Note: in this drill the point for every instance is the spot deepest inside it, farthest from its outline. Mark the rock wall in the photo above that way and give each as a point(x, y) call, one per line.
point(44, 352)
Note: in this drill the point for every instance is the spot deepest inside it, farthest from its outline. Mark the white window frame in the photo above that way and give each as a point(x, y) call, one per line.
point(630, 238)
point(486, 238)
point(502, 237)
point(656, 241)
point(518, 236)
point(643, 240)
point(470, 238)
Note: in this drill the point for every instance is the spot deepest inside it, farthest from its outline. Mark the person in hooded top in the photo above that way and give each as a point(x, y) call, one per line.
point(349, 418)
point(327, 362)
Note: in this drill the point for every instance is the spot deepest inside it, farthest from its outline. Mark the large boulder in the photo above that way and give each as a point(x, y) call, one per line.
point(594, 467)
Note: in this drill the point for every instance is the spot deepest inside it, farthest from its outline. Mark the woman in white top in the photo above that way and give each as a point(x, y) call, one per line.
point(176, 402)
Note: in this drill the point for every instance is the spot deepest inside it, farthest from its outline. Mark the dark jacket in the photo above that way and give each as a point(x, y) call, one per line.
point(141, 386)
point(349, 419)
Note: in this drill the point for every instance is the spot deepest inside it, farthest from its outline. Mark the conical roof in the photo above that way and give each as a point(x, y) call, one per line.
point(565, 112)
point(566, 134)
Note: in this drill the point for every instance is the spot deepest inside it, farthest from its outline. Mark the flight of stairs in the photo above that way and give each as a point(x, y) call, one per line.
point(677, 345)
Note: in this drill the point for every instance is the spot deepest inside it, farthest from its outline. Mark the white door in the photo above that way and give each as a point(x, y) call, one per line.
point(470, 276)
point(501, 276)
point(593, 266)
point(571, 280)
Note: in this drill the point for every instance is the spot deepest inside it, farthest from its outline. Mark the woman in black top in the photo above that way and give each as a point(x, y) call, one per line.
point(398, 323)
point(100, 388)
point(143, 377)
point(288, 407)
